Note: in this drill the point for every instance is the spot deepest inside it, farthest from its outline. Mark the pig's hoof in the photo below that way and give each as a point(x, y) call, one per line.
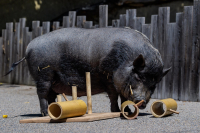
point(44, 114)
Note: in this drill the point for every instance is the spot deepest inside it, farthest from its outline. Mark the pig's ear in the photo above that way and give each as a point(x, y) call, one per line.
point(139, 62)
point(165, 71)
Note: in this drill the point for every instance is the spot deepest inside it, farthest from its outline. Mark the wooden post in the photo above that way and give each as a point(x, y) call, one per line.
point(103, 16)
point(130, 18)
point(88, 24)
point(72, 17)
point(66, 22)
point(35, 25)
point(139, 21)
point(4, 37)
point(195, 63)
point(115, 23)
point(81, 21)
point(122, 20)
point(163, 20)
point(59, 98)
point(25, 66)
point(56, 25)
point(39, 31)
point(9, 28)
point(88, 87)
point(177, 58)
point(74, 93)
point(22, 22)
point(186, 44)
point(46, 27)
point(1, 59)
point(146, 29)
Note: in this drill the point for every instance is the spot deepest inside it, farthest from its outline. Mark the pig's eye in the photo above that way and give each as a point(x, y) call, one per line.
point(137, 77)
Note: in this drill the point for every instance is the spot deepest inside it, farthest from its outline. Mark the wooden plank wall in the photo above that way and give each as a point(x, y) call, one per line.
point(178, 44)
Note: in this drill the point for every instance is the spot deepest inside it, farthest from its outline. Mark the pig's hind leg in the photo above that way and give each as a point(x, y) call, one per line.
point(43, 88)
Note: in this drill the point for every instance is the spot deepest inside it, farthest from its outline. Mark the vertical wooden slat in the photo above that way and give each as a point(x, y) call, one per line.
point(72, 17)
point(163, 20)
point(9, 27)
point(103, 16)
point(81, 21)
point(46, 27)
point(169, 59)
point(22, 22)
point(39, 31)
point(146, 29)
point(115, 23)
point(194, 73)
point(139, 21)
point(154, 40)
point(4, 37)
point(131, 17)
point(1, 59)
point(66, 22)
point(35, 25)
point(122, 20)
point(88, 24)
point(187, 43)
point(56, 25)
point(177, 57)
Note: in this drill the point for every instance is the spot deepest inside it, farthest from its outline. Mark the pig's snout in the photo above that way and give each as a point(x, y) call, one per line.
point(142, 105)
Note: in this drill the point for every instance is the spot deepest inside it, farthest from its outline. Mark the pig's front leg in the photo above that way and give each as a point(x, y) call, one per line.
point(123, 99)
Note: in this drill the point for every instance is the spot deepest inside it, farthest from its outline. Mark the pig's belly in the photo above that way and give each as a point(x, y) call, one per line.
point(60, 88)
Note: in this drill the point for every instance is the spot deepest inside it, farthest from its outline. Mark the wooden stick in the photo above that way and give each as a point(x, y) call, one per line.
point(59, 99)
point(88, 87)
point(74, 92)
point(173, 111)
point(138, 104)
point(65, 97)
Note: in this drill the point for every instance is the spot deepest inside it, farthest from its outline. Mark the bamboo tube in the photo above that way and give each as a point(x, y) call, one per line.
point(65, 97)
point(59, 98)
point(74, 92)
point(134, 114)
point(88, 87)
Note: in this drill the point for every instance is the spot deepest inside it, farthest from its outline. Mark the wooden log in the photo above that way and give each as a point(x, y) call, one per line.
point(66, 22)
point(103, 16)
point(81, 21)
point(4, 37)
point(56, 25)
point(131, 15)
point(139, 21)
point(163, 20)
point(1, 59)
point(25, 66)
point(88, 24)
point(35, 25)
point(115, 23)
point(88, 87)
point(154, 39)
point(177, 58)
point(15, 54)
point(187, 43)
point(59, 98)
point(122, 20)
point(46, 27)
point(195, 68)
point(39, 31)
point(22, 22)
point(9, 41)
point(74, 93)
point(169, 58)
point(72, 17)
point(146, 29)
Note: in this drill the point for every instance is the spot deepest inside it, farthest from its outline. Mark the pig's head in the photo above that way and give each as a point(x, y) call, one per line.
point(136, 80)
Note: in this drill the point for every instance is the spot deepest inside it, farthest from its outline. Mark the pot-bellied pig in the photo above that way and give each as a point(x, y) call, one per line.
point(121, 61)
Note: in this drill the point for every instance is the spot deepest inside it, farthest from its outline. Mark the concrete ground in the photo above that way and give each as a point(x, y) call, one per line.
point(21, 102)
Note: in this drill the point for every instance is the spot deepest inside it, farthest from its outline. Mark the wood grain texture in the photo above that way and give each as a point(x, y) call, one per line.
point(4, 36)
point(66, 22)
point(103, 16)
point(146, 29)
point(72, 18)
point(84, 118)
point(81, 21)
point(1, 59)
point(122, 20)
point(139, 21)
point(130, 17)
point(115, 23)
point(88, 89)
point(45, 27)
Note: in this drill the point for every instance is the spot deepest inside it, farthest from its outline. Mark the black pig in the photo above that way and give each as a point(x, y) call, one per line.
point(121, 61)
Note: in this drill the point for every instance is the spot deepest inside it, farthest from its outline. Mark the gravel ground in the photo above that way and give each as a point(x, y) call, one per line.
point(21, 102)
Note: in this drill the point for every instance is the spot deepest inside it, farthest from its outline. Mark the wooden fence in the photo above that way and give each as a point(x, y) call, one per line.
point(178, 43)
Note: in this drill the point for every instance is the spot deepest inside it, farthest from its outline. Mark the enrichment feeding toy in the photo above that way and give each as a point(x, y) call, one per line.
point(136, 111)
point(5, 116)
point(164, 107)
